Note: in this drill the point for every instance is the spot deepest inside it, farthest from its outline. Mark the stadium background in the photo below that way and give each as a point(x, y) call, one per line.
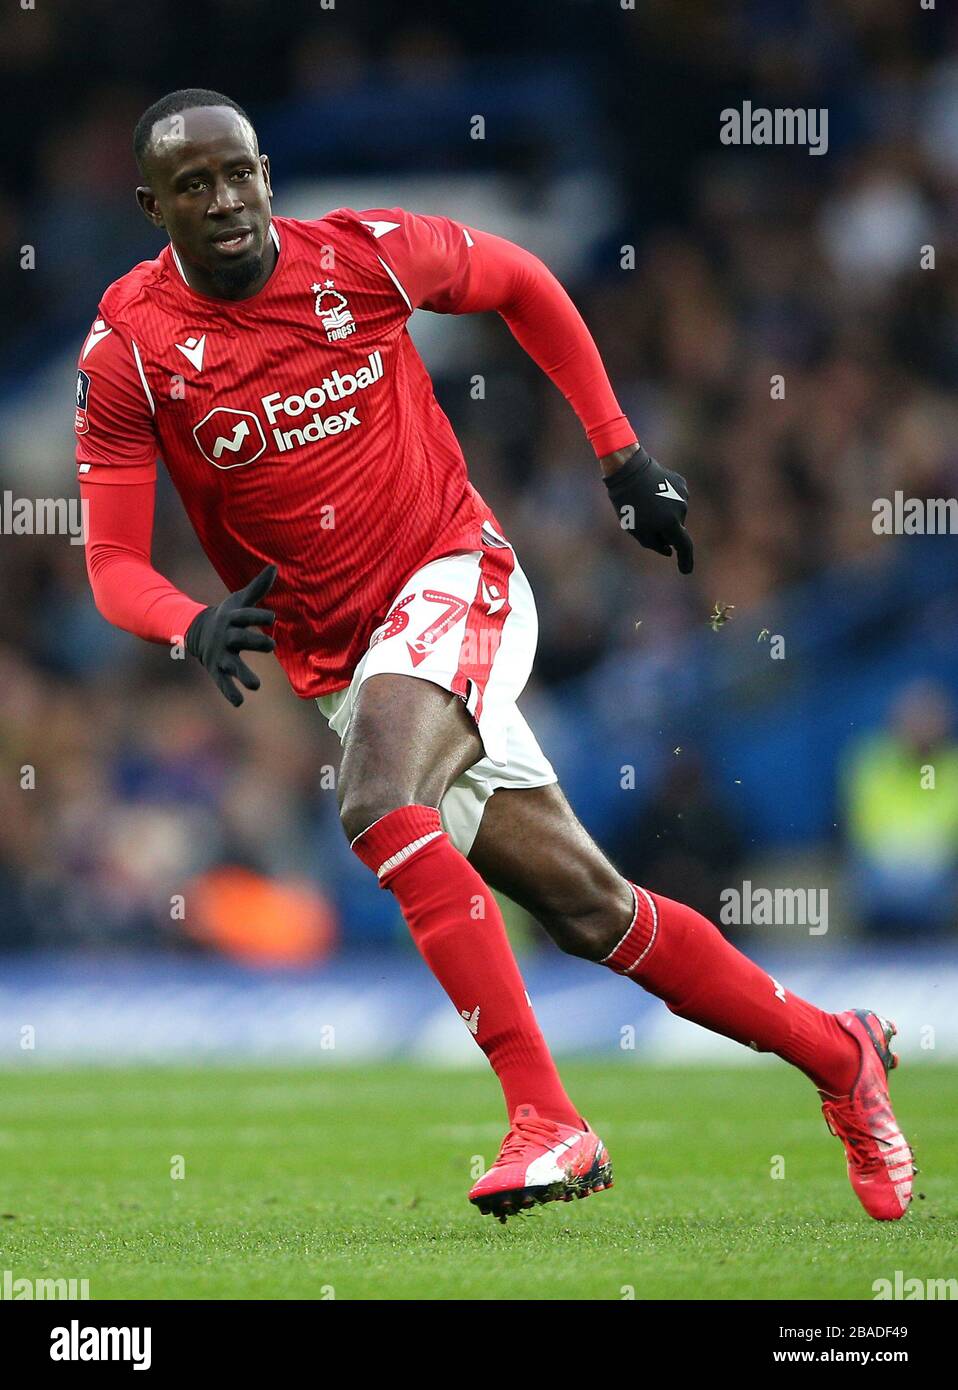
point(699, 757)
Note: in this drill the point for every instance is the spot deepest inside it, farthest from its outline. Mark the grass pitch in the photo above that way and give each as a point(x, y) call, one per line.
point(352, 1183)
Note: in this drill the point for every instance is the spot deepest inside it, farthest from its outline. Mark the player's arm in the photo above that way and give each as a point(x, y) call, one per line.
point(133, 595)
point(116, 462)
point(454, 269)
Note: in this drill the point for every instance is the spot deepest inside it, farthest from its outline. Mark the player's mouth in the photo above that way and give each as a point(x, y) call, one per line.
point(233, 242)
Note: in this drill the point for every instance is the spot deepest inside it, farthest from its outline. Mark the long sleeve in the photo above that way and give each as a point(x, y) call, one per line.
point(128, 591)
point(116, 466)
point(548, 326)
point(441, 265)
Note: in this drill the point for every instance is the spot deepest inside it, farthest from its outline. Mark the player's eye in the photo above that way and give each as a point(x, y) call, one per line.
point(243, 174)
point(195, 186)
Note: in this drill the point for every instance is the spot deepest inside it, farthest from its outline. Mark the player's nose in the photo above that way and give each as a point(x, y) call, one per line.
point(226, 200)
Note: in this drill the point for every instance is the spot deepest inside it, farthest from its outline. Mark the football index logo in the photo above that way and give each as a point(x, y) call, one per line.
point(81, 424)
point(229, 438)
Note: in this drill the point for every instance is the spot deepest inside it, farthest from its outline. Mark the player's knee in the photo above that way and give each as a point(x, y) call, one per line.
point(582, 934)
point(590, 922)
point(361, 806)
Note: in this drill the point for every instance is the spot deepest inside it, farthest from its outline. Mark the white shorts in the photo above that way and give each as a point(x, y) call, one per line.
point(467, 622)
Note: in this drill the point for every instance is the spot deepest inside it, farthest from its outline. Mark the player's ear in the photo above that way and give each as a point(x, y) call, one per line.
point(150, 207)
point(264, 162)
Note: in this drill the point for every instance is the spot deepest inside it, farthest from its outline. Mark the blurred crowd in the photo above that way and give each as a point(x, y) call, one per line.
point(787, 337)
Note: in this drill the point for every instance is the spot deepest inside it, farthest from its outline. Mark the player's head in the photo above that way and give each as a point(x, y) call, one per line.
point(206, 184)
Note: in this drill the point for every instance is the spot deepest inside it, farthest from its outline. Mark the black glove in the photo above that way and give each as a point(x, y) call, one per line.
point(651, 502)
point(217, 635)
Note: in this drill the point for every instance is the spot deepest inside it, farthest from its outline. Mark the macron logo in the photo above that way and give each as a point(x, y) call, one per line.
point(98, 332)
point(471, 1020)
point(493, 598)
point(665, 489)
point(193, 350)
point(379, 229)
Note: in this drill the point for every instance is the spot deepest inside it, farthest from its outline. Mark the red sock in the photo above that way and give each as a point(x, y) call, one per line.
point(674, 952)
point(458, 928)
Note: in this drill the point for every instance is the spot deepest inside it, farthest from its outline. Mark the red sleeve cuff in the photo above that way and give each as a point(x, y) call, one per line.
point(93, 471)
point(608, 438)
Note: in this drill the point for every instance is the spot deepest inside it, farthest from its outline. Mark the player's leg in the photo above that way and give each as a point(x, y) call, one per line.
point(408, 741)
point(429, 708)
point(531, 847)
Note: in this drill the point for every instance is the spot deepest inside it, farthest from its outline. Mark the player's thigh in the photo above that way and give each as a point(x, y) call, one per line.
point(408, 741)
point(432, 695)
point(531, 846)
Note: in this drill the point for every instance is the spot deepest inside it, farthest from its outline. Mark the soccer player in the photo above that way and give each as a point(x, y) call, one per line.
point(268, 361)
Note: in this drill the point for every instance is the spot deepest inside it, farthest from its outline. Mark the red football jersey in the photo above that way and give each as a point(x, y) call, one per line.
point(298, 426)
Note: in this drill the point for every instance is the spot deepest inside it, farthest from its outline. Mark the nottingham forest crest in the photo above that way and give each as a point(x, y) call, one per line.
point(332, 309)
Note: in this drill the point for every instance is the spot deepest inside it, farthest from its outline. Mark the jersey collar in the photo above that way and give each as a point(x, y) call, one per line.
point(232, 303)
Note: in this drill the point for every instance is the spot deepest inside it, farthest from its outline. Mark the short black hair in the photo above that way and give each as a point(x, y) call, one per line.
point(186, 99)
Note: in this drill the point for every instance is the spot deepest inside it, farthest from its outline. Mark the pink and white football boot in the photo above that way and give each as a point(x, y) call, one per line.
point(880, 1163)
point(542, 1161)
